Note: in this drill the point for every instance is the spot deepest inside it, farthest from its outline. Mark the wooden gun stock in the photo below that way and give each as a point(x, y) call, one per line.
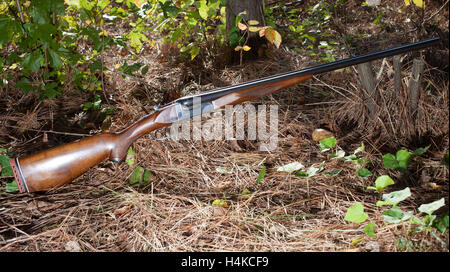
point(57, 166)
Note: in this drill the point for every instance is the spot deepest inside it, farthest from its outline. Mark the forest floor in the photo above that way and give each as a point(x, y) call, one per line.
point(101, 211)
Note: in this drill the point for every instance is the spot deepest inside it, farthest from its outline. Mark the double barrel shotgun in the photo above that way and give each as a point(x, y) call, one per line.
point(62, 164)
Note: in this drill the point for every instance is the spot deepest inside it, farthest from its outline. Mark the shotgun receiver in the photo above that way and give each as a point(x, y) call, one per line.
point(59, 165)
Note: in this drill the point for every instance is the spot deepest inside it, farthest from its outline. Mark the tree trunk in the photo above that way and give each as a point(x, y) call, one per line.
point(254, 11)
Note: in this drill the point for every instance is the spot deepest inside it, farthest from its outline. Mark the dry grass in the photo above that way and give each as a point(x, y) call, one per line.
point(100, 211)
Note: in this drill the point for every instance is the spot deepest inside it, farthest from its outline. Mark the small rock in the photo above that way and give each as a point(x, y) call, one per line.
point(219, 211)
point(72, 246)
point(320, 134)
point(372, 247)
point(373, 3)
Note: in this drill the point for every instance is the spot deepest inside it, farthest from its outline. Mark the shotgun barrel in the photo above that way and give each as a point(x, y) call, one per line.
point(59, 165)
point(319, 69)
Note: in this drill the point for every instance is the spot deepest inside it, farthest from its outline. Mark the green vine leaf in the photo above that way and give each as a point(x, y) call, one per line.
point(356, 213)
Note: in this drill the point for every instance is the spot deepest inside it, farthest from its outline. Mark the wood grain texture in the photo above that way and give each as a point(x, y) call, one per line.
point(256, 92)
point(59, 165)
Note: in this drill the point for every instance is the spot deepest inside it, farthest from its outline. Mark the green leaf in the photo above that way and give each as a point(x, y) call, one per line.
point(146, 177)
point(218, 202)
point(95, 66)
point(131, 156)
point(432, 207)
point(169, 9)
point(245, 192)
point(12, 187)
point(327, 144)
point(419, 151)
point(357, 241)
point(301, 174)
point(310, 172)
point(234, 36)
point(359, 149)
point(87, 106)
point(51, 90)
point(136, 177)
point(363, 173)
point(290, 167)
point(75, 3)
point(194, 51)
point(332, 173)
point(24, 84)
point(395, 215)
point(6, 170)
point(136, 38)
point(9, 26)
point(33, 61)
point(144, 70)
point(382, 182)
point(339, 154)
point(130, 69)
point(404, 158)
point(56, 59)
point(395, 197)
point(356, 213)
point(441, 224)
point(203, 9)
point(261, 174)
point(389, 161)
point(400, 161)
point(369, 230)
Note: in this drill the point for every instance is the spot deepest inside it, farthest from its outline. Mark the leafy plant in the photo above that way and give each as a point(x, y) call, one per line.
point(290, 167)
point(44, 36)
point(356, 214)
point(382, 182)
point(441, 224)
point(428, 221)
point(6, 171)
point(140, 176)
point(240, 34)
point(363, 173)
point(369, 230)
point(95, 105)
point(402, 159)
point(332, 173)
point(395, 214)
point(220, 203)
point(311, 171)
point(399, 162)
point(308, 27)
point(261, 174)
point(395, 197)
point(188, 24)
point(327, 144)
